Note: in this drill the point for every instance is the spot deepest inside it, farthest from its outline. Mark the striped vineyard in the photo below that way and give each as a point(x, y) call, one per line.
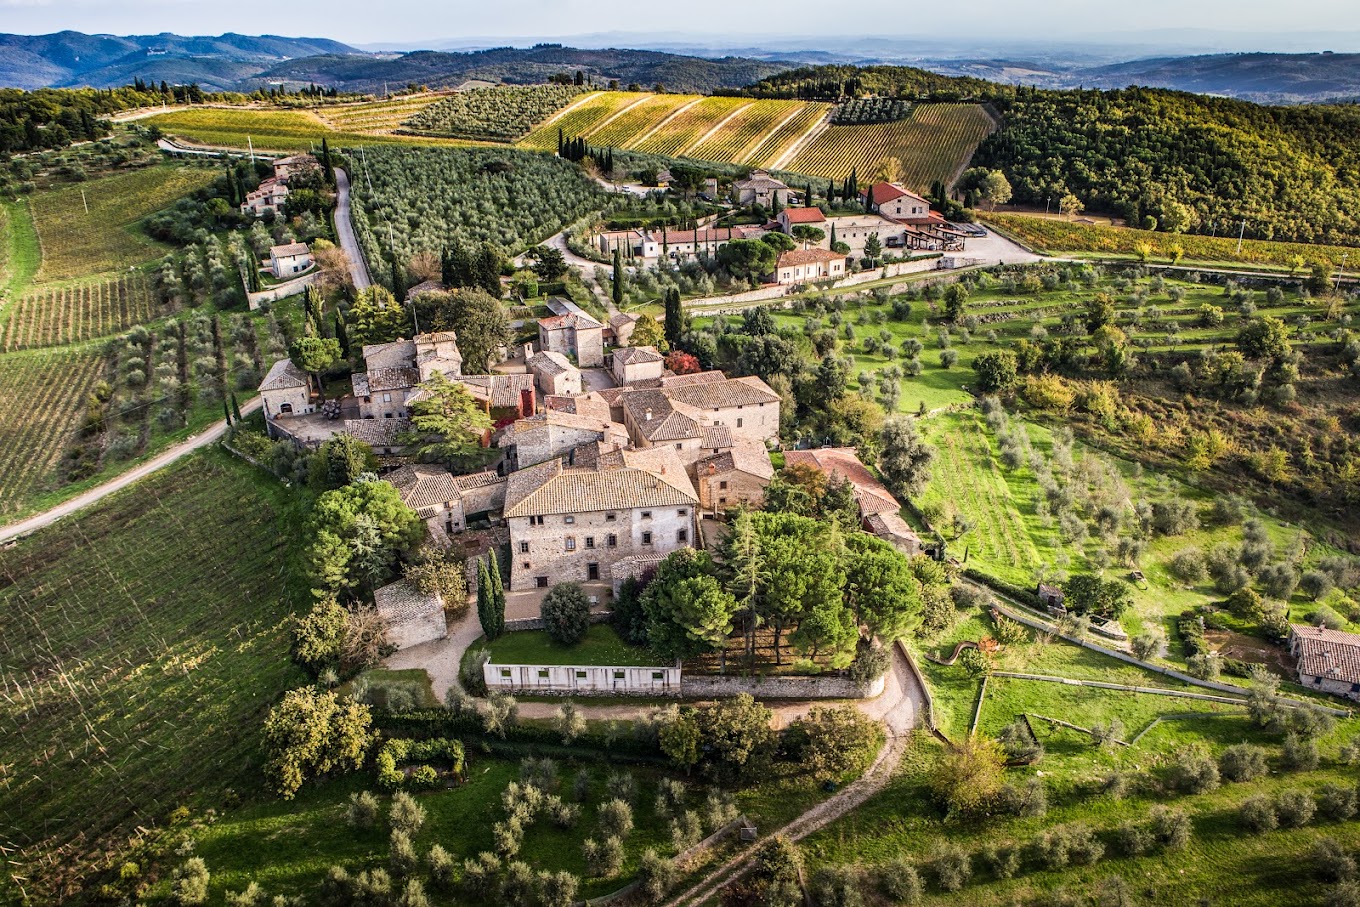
point(375, 116)
point(586, 114)
point(42, 398)
point(58, 316)
point(679, 135)
point(934, 143)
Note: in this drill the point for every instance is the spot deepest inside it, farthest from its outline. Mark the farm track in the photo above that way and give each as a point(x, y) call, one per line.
point(717, 128)
point(791, 152)
point(664, 123)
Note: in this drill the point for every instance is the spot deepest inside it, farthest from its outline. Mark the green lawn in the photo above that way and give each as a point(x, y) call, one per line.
point(20, 253)
point(141, 645)
point(601, 646)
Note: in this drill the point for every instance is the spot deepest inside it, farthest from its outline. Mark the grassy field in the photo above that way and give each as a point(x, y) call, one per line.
point(42, 399)
point(934, 143)
point(601, 646)
point(1064, 238)
point(141, 645)
point(20, 251)
point(275, 130)
point(77, 243)
point(57, 316)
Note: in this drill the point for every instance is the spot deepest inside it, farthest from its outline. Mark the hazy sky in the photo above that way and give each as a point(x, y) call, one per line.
point(367, 21)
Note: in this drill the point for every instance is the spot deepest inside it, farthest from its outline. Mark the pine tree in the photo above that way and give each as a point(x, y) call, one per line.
point(618, 275)
point(235, 407)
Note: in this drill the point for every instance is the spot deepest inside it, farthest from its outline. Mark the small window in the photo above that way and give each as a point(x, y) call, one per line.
point(569, 519)
point(646, 538)
point(738, 423)
point(679, 447)
point(646, 514)
point(657, 675)
point(543, 673)
point(682, 535)
point(580, 675)
point(683, 511)
point(541, 582)
point(590, 541)
point(612, 541)
point(609, 517)
point(722, 500)
point(505, 672)
point(571, 544)
point(618, 675)
point(523, 547)
point(723, 485)
point(387, 398)
point(286, 408)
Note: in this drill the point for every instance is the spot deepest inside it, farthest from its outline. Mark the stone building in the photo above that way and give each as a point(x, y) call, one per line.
point(572, 523)
point(760, 189)
point(733, 477)
point(554, 374)
point(551, 434)
point(880, 512)
point(411, 616)
point(620, 330)
point(290, 259)
point(1328, 660)
point(637, 363)
point(446, 501)
point(286, 391)
point(803, 265)
point(573, 332)
point(800, 217)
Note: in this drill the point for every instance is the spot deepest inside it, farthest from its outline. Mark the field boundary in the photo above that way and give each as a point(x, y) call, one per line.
point(753, 155)
point(557, 115)
point(614, 116)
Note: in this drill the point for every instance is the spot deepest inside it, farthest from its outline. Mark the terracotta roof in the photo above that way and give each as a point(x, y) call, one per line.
point(283, 375)
point(292, 248)
point(376, 432)
point(882, 193)
point(804, 215)
point(550, 363)
point(759, 179)
point(708, 377)
point(436, 336)
point(592, 404)
point(424, 485)
point(635, 354)
point(623, 318)
point(891, 526)
point(400, 603)
point(1329, 654)
point(715, 437)
point(870, 494)
point(745, 391)
point(520, 429)
point(657, 419)
point(359, 381)
point(391, 379)
point(642, 481)
point(501, 390)
point(807, 257)
point(746, 456)
point(707, 235)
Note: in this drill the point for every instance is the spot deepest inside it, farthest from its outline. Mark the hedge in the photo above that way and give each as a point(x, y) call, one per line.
point(403, 751)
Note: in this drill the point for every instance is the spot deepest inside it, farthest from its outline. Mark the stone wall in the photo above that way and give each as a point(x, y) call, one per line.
point(536, 623)
point(720, 687)
point(283, 290)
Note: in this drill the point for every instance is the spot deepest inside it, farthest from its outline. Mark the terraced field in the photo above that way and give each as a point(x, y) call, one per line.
point(71, 314)
point(933, 144)
point(77, 242)
point(42, 398)
point(376, 116)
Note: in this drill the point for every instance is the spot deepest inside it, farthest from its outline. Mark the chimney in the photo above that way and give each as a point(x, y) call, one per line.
point(649, 415)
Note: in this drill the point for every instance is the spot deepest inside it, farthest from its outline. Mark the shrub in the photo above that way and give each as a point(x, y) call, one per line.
point(900, 881)
point(401, 854)
point(604, 858)
point(1001, 860)
point(539, 773)
point(1344, 894)
point(480, 875)
point(1331, 861)
point(616, 818)
point(406, 814)
point(952, 865)
point(837, 886)
point(1018, 743)
point(1188, 565)
point(1257, 815)
point(655, 876)
point(362, 810)
point(1295, 808)
point(1029, 800)
point(519, 885)
point(557, 889)
point(1147, 646)
point(1132, 839)
point(968, 778)
point(1193, 772)
point(1106, 734)
point(441, 865)
point(1299, 754)
point(566, 613)
point(1242, 762)
point(191, 882)
point(1171, 828)
point(1337, 801)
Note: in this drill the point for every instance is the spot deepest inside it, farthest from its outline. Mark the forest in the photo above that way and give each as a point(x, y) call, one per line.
point(842, 81)
point(1185, 163)
point(54, 117)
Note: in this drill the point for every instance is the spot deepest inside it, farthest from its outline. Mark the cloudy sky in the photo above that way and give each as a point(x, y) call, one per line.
point(415, 21)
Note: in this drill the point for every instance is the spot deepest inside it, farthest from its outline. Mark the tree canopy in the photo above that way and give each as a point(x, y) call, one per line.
point(447, 425)
point(358, 532)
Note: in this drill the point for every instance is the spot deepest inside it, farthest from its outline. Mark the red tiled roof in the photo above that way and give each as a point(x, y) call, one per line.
point(882, 193)
point(808, 256)
point(804, 215)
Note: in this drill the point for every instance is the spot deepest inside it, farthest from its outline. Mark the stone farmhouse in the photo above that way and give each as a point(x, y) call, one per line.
point(285, 167)
point(733, 477)
point(290, 260)
point(411, 616)
point(696, 412)
point(800, 217)
point(880, 512)
point(760, 189)
point(576, 523)
point(573, 332)
point(620, 329)
point(922, 227)
point(804, 265)
point(551, 434)
point(286, 391)
point(674, 244)
point(1328, 660)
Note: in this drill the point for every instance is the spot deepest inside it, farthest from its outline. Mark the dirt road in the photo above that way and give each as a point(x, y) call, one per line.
point(99, 492)
point(344, 230)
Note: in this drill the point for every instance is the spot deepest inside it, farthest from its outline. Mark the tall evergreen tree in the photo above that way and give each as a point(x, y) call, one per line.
point(226, 412)
point(235, 407)
point(498, 595)
point(618, 275)
point(675, 317)
point(486, 270)
point(342, 334)
point(485, 596)
point(398, 278)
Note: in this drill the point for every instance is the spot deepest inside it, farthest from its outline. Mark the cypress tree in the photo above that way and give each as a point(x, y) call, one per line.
point(559, 141)
point(398, 279)
point(675, 317)
point(498, 596)
point(235, 407)
point(618, 276)
point(226, 412)
point(487, 268)
point(342, 334)
point(833, 235)
point(326, 167)
point(484, 599)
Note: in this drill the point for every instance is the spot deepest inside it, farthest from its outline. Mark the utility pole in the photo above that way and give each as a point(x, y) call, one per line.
point(83, 202)
point(251, 146)
point(1241, 233)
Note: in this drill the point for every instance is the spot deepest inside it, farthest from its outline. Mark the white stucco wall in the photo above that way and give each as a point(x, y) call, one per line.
point(583, 680)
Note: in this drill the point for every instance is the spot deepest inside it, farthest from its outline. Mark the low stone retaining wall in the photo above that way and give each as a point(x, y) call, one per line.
point(283, 290)
point(536, 623)
point(709, 686)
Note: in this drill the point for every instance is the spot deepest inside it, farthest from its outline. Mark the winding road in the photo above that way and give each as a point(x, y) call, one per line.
point(344, 231)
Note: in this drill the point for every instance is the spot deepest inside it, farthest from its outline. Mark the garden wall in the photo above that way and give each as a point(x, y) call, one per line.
point(283, 290)
point(583, 680)
point(536, 623)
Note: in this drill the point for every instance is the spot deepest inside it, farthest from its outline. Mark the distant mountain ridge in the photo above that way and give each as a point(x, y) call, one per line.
point(72, 59)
